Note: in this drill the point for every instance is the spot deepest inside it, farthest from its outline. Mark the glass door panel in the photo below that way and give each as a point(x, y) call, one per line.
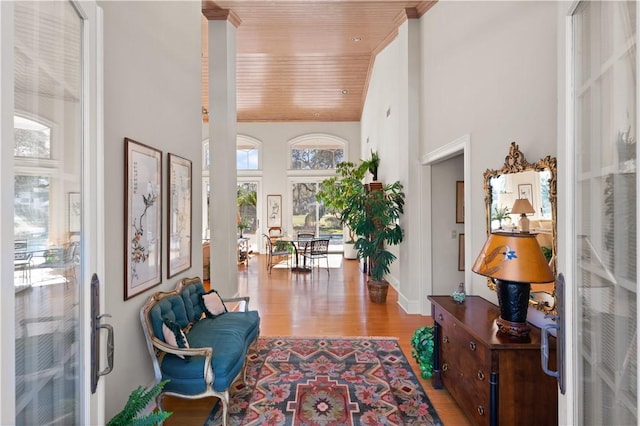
point(304, 208)
point(47, 211)
point(606, 129)
point(248, 213)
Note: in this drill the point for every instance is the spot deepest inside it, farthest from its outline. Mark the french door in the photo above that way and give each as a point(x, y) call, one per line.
point(602, 213)
point(308, 215)
point(49, 157)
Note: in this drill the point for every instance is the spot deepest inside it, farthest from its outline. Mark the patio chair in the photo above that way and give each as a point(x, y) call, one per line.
point(274, 252)
point(317, 249)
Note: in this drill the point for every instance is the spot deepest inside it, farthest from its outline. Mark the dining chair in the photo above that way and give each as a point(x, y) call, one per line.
point(22, 259)
point(274, 252)
point(317, 249)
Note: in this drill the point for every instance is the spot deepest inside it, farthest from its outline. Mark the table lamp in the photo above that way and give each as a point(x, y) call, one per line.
point(513, 261)
point(523, 207)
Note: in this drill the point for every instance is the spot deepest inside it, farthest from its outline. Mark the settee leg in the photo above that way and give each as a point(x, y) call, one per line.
point(225, 407)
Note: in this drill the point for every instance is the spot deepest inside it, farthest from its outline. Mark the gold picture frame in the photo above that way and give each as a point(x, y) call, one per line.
point(460, 201)
point(460, 252)
point(179, 215)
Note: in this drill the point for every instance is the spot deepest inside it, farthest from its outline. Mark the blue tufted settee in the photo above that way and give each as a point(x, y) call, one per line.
point(217, 346)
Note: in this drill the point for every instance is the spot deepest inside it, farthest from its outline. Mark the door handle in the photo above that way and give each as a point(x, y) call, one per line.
point(560, 327)
point(110, 347)
point(96, 327)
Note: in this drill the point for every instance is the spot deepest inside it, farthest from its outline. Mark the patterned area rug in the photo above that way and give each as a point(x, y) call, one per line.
point(328, 382)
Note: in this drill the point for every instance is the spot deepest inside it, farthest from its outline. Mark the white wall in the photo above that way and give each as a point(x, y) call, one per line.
point(384, 129)
point(489, 70)
point(152, 95)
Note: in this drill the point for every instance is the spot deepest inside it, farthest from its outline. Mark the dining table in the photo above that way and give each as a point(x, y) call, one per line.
point(298, 244)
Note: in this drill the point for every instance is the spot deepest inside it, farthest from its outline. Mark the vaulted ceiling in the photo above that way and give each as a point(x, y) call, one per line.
point(305, 60)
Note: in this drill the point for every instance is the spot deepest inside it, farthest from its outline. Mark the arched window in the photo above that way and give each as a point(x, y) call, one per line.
point(247, 153)
point(32, 139)
point(36, 175)
point(316, 152)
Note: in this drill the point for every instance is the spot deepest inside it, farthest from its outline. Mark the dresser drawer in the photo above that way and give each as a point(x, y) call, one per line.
point(465, 369)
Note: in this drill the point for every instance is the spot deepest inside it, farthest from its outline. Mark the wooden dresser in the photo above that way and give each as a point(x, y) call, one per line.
point(496, 380)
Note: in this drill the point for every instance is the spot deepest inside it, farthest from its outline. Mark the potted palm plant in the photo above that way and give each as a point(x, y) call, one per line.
point(374, 214)
point(334, 193)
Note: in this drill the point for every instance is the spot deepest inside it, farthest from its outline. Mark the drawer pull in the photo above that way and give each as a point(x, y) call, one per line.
point(480, 375)
point(480, 410)
point(472, 346)
point(445, 339)
point(445, 366)
point(440, 317)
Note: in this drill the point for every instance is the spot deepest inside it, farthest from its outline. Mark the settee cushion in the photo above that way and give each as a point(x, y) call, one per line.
point(174, 336)
point(169, 309)
point(191, 298)
point(212, 304)
point(229, 335)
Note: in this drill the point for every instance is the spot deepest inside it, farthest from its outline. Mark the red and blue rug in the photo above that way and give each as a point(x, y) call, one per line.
point(328, 382)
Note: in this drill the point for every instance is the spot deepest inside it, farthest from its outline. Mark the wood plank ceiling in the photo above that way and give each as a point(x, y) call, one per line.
point(305, 60)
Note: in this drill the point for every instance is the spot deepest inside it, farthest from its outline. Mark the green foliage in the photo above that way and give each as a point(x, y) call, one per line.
point(373, 164)
point(139, 399)
point(335, 191)
point(547, 253)
point(500, 213)
point(282, 246)
point(375, 215)
point(422, 350)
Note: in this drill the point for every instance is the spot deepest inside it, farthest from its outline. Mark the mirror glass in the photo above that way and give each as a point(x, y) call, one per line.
point(536, 182)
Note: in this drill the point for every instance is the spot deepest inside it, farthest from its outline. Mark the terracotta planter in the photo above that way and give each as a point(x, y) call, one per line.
point(378, 291)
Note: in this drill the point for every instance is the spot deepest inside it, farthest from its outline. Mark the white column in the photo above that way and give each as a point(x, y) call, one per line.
point(222, 153)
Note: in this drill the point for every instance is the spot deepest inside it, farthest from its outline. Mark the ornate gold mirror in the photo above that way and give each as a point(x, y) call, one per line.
point(518, 179)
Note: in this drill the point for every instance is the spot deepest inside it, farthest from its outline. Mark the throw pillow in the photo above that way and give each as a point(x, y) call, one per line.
point(174, 336)
point(212, 304)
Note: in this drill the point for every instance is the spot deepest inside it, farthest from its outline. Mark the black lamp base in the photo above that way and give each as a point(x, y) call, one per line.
point(513, 299)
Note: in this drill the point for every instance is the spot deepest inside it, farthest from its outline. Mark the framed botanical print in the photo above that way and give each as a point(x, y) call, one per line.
point(274, 211)
point(179, 215)
point(525, 190)
point(143, 218)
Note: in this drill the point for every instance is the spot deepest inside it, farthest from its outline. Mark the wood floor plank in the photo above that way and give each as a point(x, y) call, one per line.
point(317, 305)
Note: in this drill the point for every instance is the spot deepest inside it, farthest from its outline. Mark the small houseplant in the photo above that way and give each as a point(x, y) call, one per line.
point(334, 193)
point(372, 164)
point(133, 411)
point(374, 215)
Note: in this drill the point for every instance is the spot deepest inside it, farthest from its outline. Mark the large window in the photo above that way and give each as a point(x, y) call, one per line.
point(316, 153)
point(313, 158)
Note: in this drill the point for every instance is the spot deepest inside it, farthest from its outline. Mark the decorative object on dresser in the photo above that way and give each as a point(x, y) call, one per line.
point(517, 178)
point(523, 207)
point(496, 380)
point(513, 261)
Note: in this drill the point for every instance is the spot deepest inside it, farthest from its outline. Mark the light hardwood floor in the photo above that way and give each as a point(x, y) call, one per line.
point(316, 304)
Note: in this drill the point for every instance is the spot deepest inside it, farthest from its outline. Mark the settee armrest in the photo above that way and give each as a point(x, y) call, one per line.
point(206, 352)
point(243, 302)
